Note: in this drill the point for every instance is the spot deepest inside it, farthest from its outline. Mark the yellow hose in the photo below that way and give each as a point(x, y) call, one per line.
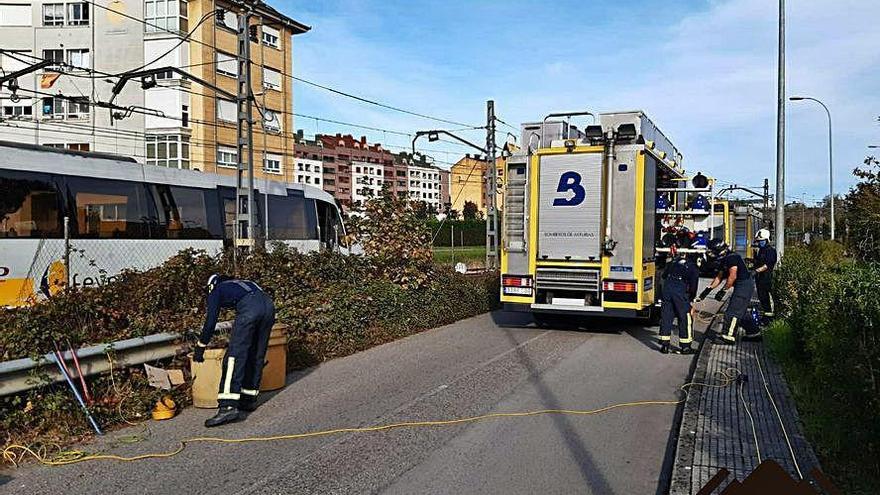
point(16, 453)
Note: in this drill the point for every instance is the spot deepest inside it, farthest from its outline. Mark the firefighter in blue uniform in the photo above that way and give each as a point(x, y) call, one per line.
point(246, 354)
point(680, 279)
point(733, 273)
point(765, 262)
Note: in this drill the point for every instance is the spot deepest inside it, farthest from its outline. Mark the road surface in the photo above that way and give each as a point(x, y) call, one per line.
point(490, 363)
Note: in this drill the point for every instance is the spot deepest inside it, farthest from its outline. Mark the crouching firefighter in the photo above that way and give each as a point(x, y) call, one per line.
point(248, 342)
point(765, 261)
point(734, 274)
point(680, 279)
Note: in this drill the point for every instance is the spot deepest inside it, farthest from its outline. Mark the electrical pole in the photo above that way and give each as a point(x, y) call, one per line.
point(780, 137)
point(246, 229)
point(492, 188)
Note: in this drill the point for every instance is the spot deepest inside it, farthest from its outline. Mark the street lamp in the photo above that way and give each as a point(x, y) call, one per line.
point(830, 156)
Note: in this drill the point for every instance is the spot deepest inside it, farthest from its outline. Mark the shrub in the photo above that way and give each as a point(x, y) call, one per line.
point(334, 305)
point(829, 344)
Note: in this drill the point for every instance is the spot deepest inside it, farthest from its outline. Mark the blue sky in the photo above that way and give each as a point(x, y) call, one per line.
point(703, 70)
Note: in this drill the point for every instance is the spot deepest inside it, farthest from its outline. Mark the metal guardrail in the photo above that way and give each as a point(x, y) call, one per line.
point(18, 375)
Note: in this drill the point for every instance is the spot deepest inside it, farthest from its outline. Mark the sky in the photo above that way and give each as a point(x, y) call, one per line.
point(705, 71)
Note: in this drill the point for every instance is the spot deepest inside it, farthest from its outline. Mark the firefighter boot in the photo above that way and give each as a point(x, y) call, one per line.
point(664, 347)
point(224, 415)
point(687, 349)
point(249, 405)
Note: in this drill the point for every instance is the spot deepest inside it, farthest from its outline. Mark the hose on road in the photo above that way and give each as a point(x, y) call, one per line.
point(15, 453)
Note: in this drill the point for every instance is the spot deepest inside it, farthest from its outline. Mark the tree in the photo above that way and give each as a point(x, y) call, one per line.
point(470, 211)
point(395, 240)
point(863, 211)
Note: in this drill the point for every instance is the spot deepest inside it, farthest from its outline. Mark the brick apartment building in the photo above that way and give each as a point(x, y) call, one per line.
point(353, 170)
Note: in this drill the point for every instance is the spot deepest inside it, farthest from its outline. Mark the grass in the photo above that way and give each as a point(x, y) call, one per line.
point(827, 423)
point(469, 255)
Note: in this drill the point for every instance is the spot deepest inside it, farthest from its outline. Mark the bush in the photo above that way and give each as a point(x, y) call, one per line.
point(334, 305)
point(829, 344)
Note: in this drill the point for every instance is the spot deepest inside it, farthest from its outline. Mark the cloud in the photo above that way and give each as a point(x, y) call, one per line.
point(707, 75)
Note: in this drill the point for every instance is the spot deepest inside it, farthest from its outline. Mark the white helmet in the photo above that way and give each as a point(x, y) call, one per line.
point(762, 235)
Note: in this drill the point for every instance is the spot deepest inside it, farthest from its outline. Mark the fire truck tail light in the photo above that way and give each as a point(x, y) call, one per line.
point(619, 286)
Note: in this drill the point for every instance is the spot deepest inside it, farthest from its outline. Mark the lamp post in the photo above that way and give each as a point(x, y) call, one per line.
point(830, 156)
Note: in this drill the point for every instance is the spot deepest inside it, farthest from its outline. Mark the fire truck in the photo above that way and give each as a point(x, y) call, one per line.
point(590, 215)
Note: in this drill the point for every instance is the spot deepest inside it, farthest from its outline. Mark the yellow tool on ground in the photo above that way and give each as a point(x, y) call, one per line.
point(165, 408)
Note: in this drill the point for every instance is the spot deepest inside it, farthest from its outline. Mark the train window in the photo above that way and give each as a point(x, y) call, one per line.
point(331, 228)
point(30, 205)
point(183, 213)
point(109, 208)
point(292, 217)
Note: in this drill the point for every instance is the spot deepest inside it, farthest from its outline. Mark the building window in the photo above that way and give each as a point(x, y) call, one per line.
point(227, 157)
point(18, 109)
point(271, 79)
point(77, 14)
point(78, 108)
point(15, 14)
point(168, 150)
point(227, 65)
point(78, 146)
point(78, 58)
point(230, 20)
point(271, 37)
point(53, 14)
point(165, 15)
point(60, 108)
point(272, 163)
point(54, 55)
point(226, 110)
point(165, 74)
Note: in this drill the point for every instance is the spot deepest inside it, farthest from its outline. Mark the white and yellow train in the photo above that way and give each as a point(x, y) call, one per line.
point(122, 214)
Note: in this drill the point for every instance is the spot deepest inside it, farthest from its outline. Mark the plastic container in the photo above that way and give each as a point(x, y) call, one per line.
point(206, 376)
point(275, 371)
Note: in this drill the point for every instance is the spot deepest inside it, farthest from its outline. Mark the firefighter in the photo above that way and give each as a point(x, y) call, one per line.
point(680, 280)
point(248, 342)
point(732, 271)
point(765, 261)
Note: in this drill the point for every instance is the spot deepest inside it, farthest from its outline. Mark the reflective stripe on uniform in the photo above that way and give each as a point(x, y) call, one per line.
point(252, 393)
point(229, 396)
point(227, 383)
point(665, 338)
point(730, 331)
point(690, 334)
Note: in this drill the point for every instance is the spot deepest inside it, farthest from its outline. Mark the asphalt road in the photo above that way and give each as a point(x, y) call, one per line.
point(491, 363)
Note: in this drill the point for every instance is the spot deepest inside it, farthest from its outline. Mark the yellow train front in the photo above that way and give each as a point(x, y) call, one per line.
point(581, 225)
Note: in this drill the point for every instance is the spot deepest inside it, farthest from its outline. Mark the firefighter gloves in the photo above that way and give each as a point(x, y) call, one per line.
point(199, 354)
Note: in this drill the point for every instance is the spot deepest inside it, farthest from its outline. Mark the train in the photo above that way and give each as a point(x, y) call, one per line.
point(79, 218)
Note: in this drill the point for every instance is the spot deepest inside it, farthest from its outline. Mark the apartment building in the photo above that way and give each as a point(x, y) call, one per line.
point(79, 39)
point(424, 180)
point(355, 170)
point(352, 169)
point(469, 182)
point(174, 122)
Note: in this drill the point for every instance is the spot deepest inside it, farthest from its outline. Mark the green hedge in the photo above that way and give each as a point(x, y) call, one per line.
point(829, 344)
point(467, 232)
point(335, 305)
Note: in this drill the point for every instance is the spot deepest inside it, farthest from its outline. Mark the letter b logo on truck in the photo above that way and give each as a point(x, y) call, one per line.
point(570, 181)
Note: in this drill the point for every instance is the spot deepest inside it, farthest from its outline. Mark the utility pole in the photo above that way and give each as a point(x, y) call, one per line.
point(492, 178)
point(246, 229)
point(780, 137)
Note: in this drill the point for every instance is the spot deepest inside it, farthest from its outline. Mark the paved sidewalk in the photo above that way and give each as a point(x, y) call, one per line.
point(717, 431)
